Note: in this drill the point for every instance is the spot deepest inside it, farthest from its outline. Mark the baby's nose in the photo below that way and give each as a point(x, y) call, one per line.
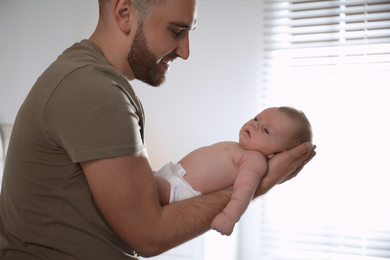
point(255, 124)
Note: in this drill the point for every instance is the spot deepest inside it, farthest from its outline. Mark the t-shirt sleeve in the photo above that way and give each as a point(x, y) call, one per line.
point(92, 116)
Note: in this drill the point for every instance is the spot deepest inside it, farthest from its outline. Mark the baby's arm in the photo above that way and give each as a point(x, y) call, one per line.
point(249, 176)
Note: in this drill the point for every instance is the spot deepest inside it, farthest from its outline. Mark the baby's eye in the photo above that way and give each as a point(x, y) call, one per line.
point(266, 131)
point(255, 119)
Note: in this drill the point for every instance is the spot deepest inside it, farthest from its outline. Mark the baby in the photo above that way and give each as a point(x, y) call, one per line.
point(243, 164)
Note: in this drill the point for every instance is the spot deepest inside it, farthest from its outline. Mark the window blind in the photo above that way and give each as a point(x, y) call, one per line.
point(326, 34)
point(304, 43)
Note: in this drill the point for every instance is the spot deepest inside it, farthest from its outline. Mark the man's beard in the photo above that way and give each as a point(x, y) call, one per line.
point(143, 62)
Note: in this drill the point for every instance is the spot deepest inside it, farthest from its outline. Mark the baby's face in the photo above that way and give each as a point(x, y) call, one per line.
point(269, 132)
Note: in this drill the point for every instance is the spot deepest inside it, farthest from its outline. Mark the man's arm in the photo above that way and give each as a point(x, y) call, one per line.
point(125, 192)
point(285, 166)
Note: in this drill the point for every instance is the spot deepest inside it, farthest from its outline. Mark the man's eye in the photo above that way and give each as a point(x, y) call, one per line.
point(176, 34)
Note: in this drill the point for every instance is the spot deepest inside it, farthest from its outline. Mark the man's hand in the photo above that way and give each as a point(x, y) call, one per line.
point(285, 166)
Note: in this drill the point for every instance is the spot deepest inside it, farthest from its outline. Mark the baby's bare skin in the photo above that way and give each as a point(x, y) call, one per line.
point(242, 164)
point(216, 166)
point(221, 165)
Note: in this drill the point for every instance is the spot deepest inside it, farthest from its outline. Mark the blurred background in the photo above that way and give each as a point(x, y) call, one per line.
point(330, 59)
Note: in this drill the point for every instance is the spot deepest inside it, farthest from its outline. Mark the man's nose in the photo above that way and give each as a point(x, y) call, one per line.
point(183, 48)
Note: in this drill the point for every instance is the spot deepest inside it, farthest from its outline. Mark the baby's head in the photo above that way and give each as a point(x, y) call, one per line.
point(276, 129)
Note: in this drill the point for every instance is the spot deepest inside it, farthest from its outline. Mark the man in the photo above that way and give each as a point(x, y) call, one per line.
point(77, 180)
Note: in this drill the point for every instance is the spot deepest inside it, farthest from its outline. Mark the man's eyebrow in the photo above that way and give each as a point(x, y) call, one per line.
point(184, 26)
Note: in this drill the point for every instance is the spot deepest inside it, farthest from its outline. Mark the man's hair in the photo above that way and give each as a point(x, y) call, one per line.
point(143, 6)
point(304, 132)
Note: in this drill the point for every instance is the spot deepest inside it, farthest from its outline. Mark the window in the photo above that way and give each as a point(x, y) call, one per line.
point(330, 59)
point(2, 156)
point(5, 133)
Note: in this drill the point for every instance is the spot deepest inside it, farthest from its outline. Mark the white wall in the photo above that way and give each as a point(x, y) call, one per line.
point(32, 35)
point(205, 99)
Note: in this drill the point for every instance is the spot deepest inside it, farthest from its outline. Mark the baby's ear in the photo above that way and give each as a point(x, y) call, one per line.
point(273, 154)
point(270, 156)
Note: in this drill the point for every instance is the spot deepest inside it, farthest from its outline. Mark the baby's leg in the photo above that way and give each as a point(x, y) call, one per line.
point(163, 190)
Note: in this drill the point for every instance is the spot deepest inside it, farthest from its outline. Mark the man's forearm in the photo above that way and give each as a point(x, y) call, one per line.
point(185, 220)
point(129, 202)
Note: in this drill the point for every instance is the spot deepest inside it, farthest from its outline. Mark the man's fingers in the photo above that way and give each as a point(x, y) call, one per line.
point(312, 154)
point(301, 150)
point(303, 160)
point(303, 153)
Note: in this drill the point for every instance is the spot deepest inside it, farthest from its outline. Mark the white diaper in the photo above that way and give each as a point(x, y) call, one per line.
point(180, 188)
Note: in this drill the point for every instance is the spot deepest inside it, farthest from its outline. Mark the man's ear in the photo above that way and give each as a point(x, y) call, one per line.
point(122, 14)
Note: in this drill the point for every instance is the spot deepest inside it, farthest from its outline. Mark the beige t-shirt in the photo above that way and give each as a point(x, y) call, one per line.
point(80, 109)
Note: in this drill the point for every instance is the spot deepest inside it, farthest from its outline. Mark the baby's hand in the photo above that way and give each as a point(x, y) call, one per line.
point(223, 224)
